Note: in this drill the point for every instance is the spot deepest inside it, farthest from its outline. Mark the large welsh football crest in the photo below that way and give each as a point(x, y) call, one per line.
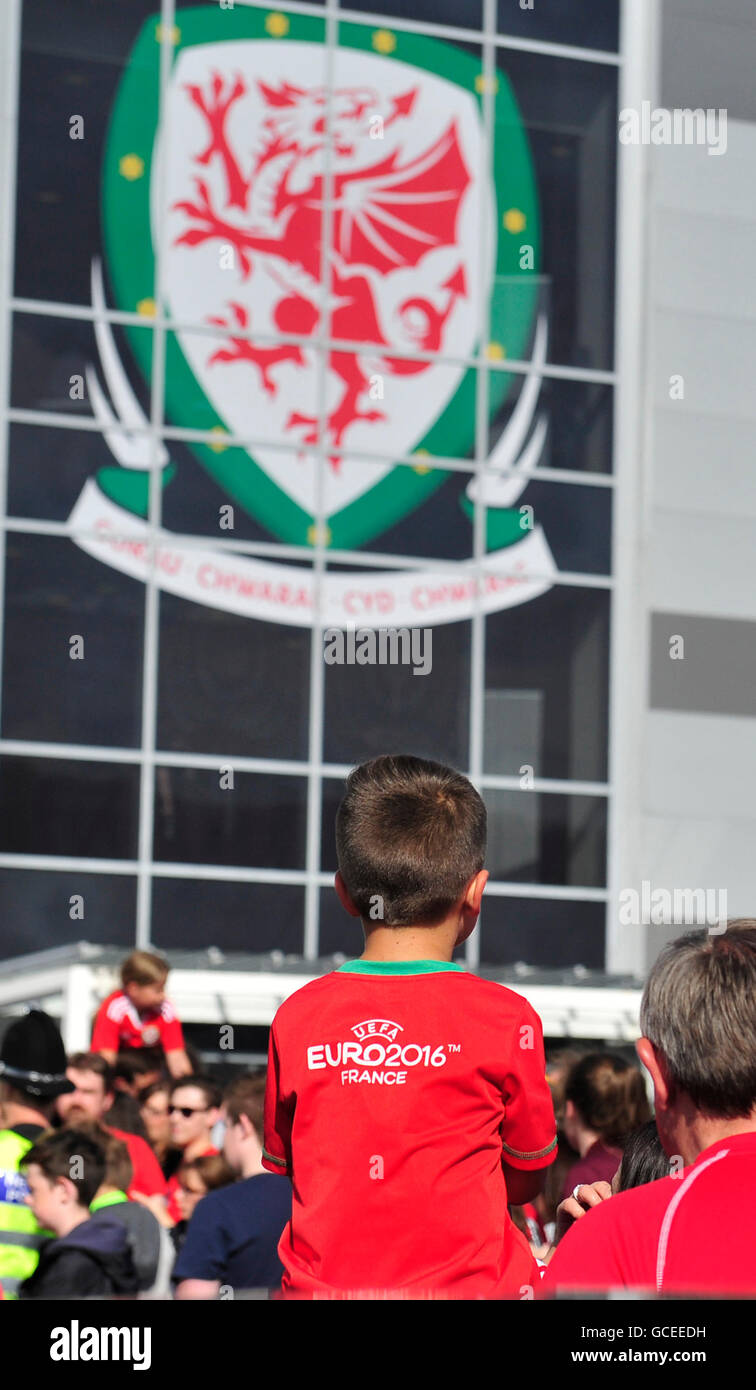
point(332, 235)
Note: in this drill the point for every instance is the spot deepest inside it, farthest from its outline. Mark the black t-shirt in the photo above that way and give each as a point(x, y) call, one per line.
point(234, 1233)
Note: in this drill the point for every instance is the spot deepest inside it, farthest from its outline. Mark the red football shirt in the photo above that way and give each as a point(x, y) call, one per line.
point(395, 1089)
point(119, 1025)
point(147, 1176)
point(693, 1233)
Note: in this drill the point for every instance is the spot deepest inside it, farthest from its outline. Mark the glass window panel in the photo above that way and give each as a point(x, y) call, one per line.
point(57, 368)
point(72, 59)
point(51, 806)
point(432, 520)
point(569, 110)
point(192, 914)
point(223, 816)
point(573, 419)
point(579, 23)
point(388, 709)
point(37, 909)
point(546, 838)
point(231, 684)
point(573, 521)
point(540, 932)
point(54, 591)
point(553, 652)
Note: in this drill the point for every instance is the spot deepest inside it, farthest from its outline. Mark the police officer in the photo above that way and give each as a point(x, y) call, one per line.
point(32, 1074)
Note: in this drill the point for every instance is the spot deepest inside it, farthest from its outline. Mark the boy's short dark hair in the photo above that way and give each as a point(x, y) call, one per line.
point(53, 1154)
point(245, 1095)
point(209, 1088)
point(119, 1170)
point(410, 834)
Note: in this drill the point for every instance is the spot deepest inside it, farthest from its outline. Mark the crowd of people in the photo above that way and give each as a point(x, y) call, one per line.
point(410, 1137)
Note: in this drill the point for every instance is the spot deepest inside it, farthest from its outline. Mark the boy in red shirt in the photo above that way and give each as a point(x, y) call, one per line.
point(406, 1097)
point(139, 1015)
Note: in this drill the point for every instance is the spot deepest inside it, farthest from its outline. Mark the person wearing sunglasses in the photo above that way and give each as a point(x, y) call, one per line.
point(193, 1110)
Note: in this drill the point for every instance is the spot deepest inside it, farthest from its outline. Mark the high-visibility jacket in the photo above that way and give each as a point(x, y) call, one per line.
point(20, 1233)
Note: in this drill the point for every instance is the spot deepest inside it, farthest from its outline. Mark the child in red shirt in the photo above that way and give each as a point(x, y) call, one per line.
point(406, 1097)
point(139, 1015)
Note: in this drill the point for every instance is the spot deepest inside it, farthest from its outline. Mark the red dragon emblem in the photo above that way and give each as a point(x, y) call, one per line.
point(387, 215)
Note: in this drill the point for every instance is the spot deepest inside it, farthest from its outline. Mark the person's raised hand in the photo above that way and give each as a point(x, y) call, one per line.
point(584, 1196)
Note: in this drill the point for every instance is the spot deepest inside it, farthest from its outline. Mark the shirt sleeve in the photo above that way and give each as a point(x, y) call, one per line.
point(205, 1252)
point(171, 1031)
point(105, 1031)
point(147, 1176)
point(279, 1113)
point(528, 1131)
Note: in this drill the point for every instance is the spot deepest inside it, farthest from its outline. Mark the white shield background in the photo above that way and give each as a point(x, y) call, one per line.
point(196, 285)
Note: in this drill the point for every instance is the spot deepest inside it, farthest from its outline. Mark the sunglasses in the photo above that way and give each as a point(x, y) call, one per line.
point(186, 1110)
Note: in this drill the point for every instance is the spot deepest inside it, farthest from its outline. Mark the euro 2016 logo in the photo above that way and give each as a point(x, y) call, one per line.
point(376, 1057)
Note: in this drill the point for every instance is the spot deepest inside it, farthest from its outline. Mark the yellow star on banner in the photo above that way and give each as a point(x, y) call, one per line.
point(218, 446)
point(514, 220)
point(324, 536)
point(495, 352)
point(384, 41)
point(485, 84)
point(146, 307)
point(421, 467)
point(131, 166)
point(277, 25)
point(164, 35)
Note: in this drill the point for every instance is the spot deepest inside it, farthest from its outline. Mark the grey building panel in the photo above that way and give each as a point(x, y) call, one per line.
point(708, 55)
point(716, 673)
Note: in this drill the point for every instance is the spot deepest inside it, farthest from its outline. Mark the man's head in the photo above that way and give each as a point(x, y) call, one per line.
point(143, 977)
point(154, 1105)
point(32, 1067)
point(194, 1109)
point(243, 1106)
point(93, 1093)
point(410, 840)
point(698, 1020)
point(63, 1170)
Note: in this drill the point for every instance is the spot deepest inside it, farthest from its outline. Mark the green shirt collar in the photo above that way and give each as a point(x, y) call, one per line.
point(397, 967)
point(110, 1199)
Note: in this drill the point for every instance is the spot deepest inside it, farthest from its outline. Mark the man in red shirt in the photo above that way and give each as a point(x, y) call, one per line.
point(194, 1110)
point(406, 1097)
point(693, 1232)
point(91, 1099)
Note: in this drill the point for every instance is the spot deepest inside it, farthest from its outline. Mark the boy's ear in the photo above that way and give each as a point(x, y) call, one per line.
point(343, 896)
point(474, 891)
